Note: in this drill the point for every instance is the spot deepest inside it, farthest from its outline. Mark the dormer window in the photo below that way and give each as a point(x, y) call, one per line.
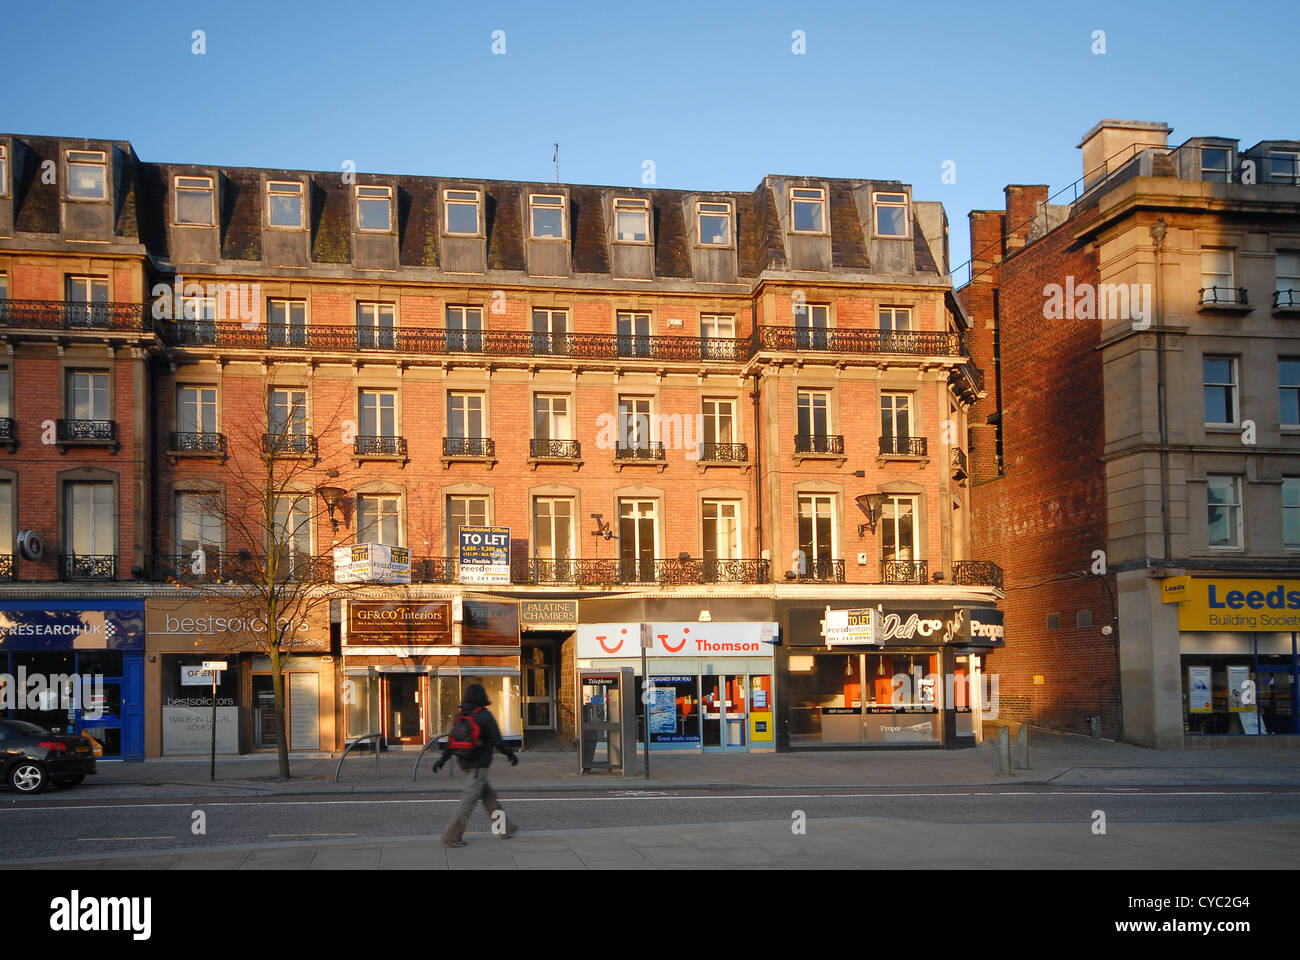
point(375, 209)
point(87, 179)
point(461, 212)
point(194, 204)
point(1283, 167)
point(808, 210)
point(632, 221)
point(891, 214)
point(714, 223)
point(1214, 164)
point(546, 214)
point(284, 204)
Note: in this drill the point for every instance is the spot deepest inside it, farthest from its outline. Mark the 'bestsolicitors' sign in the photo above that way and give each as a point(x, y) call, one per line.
point(1263, 605)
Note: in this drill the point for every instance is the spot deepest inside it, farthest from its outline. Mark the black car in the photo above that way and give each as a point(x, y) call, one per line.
point(32, 757)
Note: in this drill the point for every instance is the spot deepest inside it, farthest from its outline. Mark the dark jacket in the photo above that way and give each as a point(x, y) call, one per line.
point(476, 699)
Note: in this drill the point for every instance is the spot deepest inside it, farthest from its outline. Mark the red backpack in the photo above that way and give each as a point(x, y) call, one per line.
point(466, 735)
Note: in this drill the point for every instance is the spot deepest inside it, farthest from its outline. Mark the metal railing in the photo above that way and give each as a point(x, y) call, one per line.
point(921, 343)
point(238, 565)
point(85, 567)
point(554, 449)
point(478, 447)
point(377, 737)
point(61, 315)
point(724, 452)
point(824, 571)
point(805, 443)
point(289, 444)
point(977, 573)
point(198, 442)
point(611, 571)
point(644, 451)
point(903, 446)
point(1286, 298)
point(93, 431)
point(905, 571)
point(6, 566)
point(1227, 296)
point(380, 446)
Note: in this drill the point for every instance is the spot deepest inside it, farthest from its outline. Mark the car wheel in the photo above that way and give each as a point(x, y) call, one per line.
point(69, 781)
point(28, 776)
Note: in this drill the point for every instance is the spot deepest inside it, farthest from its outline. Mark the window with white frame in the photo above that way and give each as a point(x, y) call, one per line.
point(631, 220)
point(379, 520)
point(374, 209)
point(1290, 512)
point(1223, 503)
point(816, 529)
point(895, 420)
point(1220, 385)
point(714, 223)
point(550, 332)
point(1288, 388)
point(811, 321)
point(195, 201)
point(460, 212)
point(286, 323)
point(633, 334)
point(638, 541)
point(291, 533)
point(287, 412)
point(88, 395)
point(635, 423)
point(198, 321)
point(718, 337)
point(464, 512)
point(91, 520)
point(1215, 164)
point(1288, 279)
point(808, 210)
point(719, 429)
point(375, 326)
point(6, 517)
point(814, 414)
point(465, 329)
point(898, 532)
point(284, 204)
point(198, 524)
point(4, 286)
point(1218, 279)
point(1283, 167)
point(196, 409)
point(553, 528)
point(87, 175)
point(87, 299)
point(720, 526)
point(546, 215)
point(465, 416)
point(891, 214)
point(378, 409)
point(896, 318)
point(551, 417)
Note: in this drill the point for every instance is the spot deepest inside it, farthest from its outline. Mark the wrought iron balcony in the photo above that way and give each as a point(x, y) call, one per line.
point(6, 566)
point(642, 451)
point(957, 461)
point(905, 571)
point(83, 567)
point(200, 443)
point(60, 315)
point(1224, 297)
point(822, 570)
point(977, 573)
point(479, 448)
point(289, 444)
point(902, 446)
point(611, 571)
point(922, 343)
point(555, 449)
point(724, 453)
point(806, 443)
point(380, 447)
point(1286, 299)
point(86, 431)
point(376, 338)
point(723, 348)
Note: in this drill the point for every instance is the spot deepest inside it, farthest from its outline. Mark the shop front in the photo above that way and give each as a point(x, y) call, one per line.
point(182, 633)
point(891, 677)
point(76, 666)
point(1239, 662)
point(710, 684)
point(407, 663)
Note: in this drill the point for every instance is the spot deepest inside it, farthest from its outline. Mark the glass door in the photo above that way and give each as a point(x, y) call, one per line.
point(724, 711)
point(539, 697)
point(402, 709)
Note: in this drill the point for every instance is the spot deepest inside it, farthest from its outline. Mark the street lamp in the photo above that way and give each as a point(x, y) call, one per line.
point(331, 496)
point(869, 504)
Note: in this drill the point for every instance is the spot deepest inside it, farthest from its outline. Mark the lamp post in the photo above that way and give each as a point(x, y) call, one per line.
point(331, 496)
point(870, 504)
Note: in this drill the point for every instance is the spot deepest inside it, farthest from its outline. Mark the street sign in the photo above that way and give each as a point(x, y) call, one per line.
point(647, 636)
point(210, 665)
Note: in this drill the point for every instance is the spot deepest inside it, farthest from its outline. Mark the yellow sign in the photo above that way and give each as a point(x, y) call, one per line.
point(1038, 679)
point(1175, 589)
point(1265, 605)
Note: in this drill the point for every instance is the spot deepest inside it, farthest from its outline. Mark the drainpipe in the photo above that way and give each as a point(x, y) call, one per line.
point(1158, 236)
point(758, 472)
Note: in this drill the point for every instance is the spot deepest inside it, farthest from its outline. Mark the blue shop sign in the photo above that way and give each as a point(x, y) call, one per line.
point(71, 625)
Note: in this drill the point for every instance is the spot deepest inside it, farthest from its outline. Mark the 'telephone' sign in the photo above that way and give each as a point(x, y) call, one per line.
point(1237, 605)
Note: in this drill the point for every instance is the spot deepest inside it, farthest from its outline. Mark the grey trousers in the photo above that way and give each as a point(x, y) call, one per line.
point(476, 787)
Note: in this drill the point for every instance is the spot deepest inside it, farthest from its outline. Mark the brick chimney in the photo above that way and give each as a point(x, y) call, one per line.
point(1111, 143)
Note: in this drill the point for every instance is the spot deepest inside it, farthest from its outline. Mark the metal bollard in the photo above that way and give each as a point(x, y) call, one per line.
point(1094, 727)
point(1021, 756)
point(1004, 751)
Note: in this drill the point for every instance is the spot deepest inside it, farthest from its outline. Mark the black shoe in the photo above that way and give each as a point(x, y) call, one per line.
point(457, 843)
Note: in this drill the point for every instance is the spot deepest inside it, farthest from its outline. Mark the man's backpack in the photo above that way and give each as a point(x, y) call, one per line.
point(466, 735)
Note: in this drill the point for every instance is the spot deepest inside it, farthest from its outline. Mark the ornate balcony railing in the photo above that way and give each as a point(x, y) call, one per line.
point(289, 444)
point(6, 566)
point(85, 567)
point(1224, 296)
point(92, 431)
point(198, 442)
point(380, 446)
point(923, 343)
point(644, 451)
point(977, 573)
point(905, 571)
point(469, 447)
point(612, 571)
point(903, 446)
point(825, 571)
point(805, 443)
point(376, 338)
point(554, 449)
point(724, 453)
point(239, 566)
point(1283, 299)
point(957, 462)
point(60, 315)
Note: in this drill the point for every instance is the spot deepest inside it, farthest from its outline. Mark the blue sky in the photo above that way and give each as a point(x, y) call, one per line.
point(711, 92)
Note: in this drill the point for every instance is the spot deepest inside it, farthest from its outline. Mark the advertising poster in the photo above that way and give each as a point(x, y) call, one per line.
point(1241, 692)
point(484, 555)
point(663, 710)
point(1199, 699)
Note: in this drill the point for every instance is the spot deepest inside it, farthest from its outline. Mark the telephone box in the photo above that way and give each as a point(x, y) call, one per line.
point(607, 733)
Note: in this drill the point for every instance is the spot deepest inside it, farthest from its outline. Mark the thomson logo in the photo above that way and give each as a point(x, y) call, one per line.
point(77, 914)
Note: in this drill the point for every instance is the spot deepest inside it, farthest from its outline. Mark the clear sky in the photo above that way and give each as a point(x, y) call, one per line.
point(711, 92)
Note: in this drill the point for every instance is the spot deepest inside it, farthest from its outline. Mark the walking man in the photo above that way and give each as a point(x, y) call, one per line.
point(474, 735)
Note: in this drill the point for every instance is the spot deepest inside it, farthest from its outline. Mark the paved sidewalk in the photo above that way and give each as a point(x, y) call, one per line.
point(849, 843)
point(1054, 758)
